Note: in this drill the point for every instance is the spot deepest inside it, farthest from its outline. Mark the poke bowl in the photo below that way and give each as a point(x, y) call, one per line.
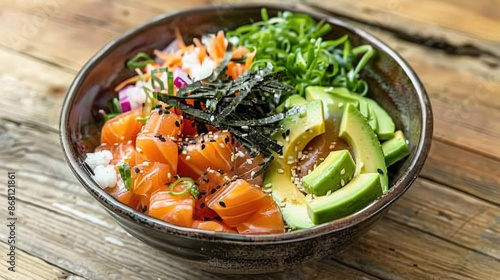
point(246, 138)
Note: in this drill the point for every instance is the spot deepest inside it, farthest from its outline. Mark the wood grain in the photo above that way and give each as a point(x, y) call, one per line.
point(469, 26)
point(448, 216)
point(30, 267)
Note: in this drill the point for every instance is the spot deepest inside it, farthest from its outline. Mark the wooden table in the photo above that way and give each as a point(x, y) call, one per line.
point(446, 226)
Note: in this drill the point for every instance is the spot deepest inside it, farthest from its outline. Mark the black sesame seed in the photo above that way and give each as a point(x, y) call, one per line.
point(137, 170)
point(181, 121)
point(160, 111)
point(158, 106)
point(202, 205)
point(157, 135)
point(179, 149)
point(283, 135)
point(177, 123)
point(212, 191)
point(162, 139)
point(221, 172)
point(261, 163)
point(287, 132)
point(380, 171)
point(213, 140)
point(144, 208)
point(218, 187)
point(218, 218)
point(226, 140)
point(199, 196)
point(206, 219)
point(203, 192)
point(206, 180)
point(221, 203)
point(203, 146)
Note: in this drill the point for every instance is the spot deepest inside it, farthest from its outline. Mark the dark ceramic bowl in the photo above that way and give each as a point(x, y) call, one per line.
point(392, 83)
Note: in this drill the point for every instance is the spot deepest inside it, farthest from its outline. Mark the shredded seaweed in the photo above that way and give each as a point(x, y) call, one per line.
point(231, 104)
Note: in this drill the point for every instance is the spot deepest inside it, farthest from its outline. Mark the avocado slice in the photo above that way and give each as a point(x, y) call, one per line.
point(298, 129)
point(359, 193)
point(356, 131)
point(332, 174)
point(395, 148)
point(294, 100)
point(380, 121)
point(385, 125)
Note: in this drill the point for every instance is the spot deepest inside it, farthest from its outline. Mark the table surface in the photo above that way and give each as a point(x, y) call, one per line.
point(446, 226)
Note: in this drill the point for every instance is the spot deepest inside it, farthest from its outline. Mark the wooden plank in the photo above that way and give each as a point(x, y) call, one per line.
point(450, 215)
point(468, 26)
point(423, 207)
point(391, 251)
point(464, 170)
point(29, 267)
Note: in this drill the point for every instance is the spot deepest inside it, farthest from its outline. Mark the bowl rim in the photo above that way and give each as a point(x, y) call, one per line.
point(111, 204)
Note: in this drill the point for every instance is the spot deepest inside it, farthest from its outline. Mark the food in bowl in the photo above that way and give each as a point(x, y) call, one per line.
point(261, 129)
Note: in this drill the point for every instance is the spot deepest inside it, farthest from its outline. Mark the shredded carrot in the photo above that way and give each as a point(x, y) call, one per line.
point(180, 41)
point(126, 83)
point(239, 52)
point(203, 51)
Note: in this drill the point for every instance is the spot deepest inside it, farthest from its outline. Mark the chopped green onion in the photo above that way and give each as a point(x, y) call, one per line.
point(142, 119)
point(189, 186)
point(125, 174)
point(117, 109)
point(140, 60)
point(170, 83)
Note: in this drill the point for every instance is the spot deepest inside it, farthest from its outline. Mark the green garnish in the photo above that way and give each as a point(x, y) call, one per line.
point(140, 60)
point(117, 109)
point(293, 42)
point(142, 119)
point(189, 186)
point(125, 174)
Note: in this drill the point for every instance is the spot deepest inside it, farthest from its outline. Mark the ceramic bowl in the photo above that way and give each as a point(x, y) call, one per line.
point(392, 83)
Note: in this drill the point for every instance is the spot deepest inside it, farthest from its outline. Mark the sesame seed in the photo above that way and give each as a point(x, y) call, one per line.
point(342, 182)
point(342, 172)
point(341, 104)
point(380, 171)
point(280, 171)
point(329, 192)
point(188, 157)
point(221, 203)
point(184, 152)
point(206, 219)
point(137, 170)
point(249, 160)
point(221, 145)
point(177, 123)
point(202, 205)
point(203, 146)
point(139, 149)
point(169, 175)
point(218, 187)
point(212, 191)
point(252, 174)
point(287, 132)
point(244, 127)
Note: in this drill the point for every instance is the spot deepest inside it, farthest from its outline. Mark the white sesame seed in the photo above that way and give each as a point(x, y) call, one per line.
point(342, 182)
point(341, 104)
point(139, 149)
point(252, 174)
point(342, 172)
point(169, 175)
point(249, 160)
point(184, 152)
point(221, 145)
point(280, 171)
point(268, 185)
point(329, 192)
point(188, 157)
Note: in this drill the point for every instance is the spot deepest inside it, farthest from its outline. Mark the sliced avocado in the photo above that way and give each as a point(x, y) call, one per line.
point(356, 131)
point(359, 193)
point(294, 100)
point(378, 118)
point(298, 130)
point(395, 148)
point(386, 127)
point(332, 174)
point(319, 93)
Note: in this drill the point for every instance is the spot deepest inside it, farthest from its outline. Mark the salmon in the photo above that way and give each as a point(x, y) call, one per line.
point(208, 185)
point(122, 128)
point(157, 148)
point(213, 225)
point(175, 209)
